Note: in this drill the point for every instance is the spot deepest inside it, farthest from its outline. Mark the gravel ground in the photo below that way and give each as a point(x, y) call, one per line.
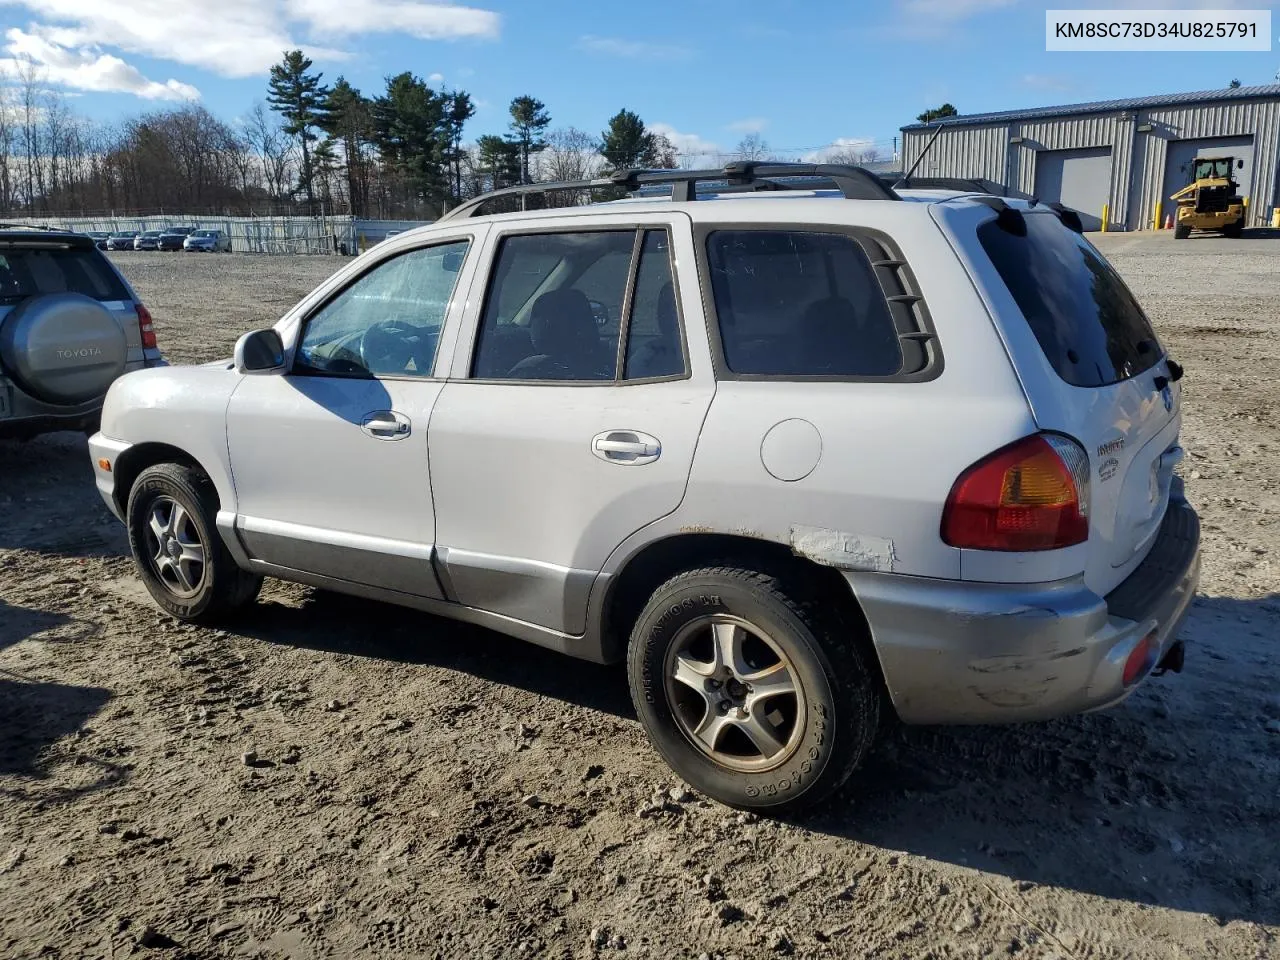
point(335, 778)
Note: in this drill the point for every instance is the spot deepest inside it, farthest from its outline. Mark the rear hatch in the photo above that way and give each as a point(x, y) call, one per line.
point(39, 263)
point(1093, 369)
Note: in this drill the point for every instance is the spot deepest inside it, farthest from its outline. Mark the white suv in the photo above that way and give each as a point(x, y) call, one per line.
point(800, 450)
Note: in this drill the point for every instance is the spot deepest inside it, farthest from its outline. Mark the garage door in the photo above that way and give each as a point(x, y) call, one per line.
point(1182, 154)
point(1079, 179)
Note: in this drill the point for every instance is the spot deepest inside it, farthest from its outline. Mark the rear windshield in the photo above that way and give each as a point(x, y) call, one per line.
point(1089, 325)
point(26, 273)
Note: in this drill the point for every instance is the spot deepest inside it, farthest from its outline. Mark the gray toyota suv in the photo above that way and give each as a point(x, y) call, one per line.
point(70, 324)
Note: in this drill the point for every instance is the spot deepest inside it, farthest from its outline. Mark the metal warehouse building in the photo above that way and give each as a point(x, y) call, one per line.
point(1126, 156)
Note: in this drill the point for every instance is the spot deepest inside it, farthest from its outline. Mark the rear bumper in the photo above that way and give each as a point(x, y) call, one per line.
point(963, 652)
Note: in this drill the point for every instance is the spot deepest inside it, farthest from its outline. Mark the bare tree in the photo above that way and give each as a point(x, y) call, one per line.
point(273, 149)
point(853, 155)
point(29, 78)
point(752, 147)
point(570, 154)
point(7, 115)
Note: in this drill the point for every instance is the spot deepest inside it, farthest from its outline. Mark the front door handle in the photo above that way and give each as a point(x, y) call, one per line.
point(386, 425)
point(626, 447)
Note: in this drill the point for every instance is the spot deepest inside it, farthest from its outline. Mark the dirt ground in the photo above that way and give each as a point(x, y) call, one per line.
point(335, 778)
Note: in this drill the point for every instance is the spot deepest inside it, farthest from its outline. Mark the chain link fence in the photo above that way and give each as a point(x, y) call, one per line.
point(341, 236)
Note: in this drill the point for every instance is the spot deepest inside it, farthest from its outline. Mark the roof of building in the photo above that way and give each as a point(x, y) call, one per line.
point(1108, 106)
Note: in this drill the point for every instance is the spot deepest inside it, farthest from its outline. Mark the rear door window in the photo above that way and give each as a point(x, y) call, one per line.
point(30, 272)
point(1089, 325)
point(800, 304)
point(554, 306)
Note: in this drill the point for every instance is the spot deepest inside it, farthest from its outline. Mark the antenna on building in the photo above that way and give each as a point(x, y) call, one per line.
point(905, 181)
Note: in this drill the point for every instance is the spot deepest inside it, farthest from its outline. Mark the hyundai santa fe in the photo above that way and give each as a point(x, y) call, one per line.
point(800, 451)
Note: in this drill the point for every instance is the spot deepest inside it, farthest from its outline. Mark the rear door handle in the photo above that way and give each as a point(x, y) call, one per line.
point(386, 425)
point(627, 447)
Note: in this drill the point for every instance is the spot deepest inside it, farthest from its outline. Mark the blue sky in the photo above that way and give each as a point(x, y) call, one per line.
point(803, 75)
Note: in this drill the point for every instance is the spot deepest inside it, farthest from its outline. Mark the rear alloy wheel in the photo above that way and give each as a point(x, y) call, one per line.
point(180, 557)
point(749, 691)
point(734, 693)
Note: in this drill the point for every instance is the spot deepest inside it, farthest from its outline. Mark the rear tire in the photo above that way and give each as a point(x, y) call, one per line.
point(1180, 232)
point(179, 554)
point(1234, 230)
point(750, 692)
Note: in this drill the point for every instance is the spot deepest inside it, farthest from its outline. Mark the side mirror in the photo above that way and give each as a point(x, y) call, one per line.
point(260, 352)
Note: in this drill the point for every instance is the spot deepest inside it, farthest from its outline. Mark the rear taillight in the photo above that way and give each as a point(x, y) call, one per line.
point(146, 329)
point(1030, 495)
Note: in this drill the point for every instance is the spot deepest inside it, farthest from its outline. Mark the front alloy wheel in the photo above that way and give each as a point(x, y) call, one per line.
point(181, 560)
point(177, 554)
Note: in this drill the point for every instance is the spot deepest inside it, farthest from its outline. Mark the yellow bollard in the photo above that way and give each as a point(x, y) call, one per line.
point(1275, 218)
point(1155, 223)
point(1106, 209)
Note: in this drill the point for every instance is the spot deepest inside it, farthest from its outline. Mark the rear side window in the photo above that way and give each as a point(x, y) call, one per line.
point(1089, 326)
point(800, 304)
point(29, 272)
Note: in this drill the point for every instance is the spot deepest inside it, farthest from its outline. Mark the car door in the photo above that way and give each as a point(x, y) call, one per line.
point(330, 461)
point(573, 410)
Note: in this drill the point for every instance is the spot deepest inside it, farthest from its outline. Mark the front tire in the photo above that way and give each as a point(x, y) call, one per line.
point(751, 694)
point(1234, 230)
point(179, 554)
point(1181, 232)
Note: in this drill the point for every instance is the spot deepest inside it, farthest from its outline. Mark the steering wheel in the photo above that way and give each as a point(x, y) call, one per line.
point(387, 347)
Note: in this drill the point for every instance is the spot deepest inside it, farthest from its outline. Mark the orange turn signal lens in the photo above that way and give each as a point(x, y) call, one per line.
point(104, 464)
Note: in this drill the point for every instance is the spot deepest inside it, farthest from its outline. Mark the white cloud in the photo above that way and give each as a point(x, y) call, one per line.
point(428, 21)
point(436, 78)
point(748, 125)
point(694, 151)
point(86, 69)
point(633, 49)
point(243, 38)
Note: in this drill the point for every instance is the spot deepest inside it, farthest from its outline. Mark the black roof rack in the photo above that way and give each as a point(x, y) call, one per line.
point(6, 225)
point(963, 184)
point(854, 183)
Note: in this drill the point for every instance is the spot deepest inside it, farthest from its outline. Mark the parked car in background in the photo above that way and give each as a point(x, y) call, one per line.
point(173, 237)
point(756, 483)
point(207, 241)
point(122, 240)
point(150, 240)
point(69, 326)
point(99, 237)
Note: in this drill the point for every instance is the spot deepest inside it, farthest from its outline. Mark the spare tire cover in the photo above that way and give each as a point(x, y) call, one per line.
point(62, 348)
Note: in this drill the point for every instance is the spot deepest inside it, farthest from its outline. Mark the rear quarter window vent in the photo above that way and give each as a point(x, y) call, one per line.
point(921, 357)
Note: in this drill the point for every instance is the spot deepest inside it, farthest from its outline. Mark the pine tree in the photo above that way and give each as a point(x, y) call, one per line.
point(627, 144)
point(529, 119)
point(298, 96)
point(411, 134)
point(499, 161)
point(347, 120)
point(938, 113)
point(458, 111)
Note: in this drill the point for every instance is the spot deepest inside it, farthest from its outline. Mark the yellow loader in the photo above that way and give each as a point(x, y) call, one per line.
point(1211, 201)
